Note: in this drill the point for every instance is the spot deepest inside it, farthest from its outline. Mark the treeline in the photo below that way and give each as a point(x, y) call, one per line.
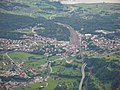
point(12, 78)
point(66, 76)
point(11, 5)
point(10, 23)
point(102, 72)
point(53, 30)
point(11, 35)
point(109, 22)
point(56, 6)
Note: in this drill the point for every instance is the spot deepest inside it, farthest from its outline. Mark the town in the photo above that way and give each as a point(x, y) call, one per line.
point(79, 43)
point(48, 45)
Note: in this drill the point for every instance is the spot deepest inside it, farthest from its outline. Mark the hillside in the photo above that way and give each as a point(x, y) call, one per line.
point(21, 14)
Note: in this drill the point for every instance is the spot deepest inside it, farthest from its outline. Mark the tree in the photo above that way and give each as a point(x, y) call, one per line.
point(61, 87)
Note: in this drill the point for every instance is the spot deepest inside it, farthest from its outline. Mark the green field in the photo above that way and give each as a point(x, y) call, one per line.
point(68, 74)
point(22, 56)
point(51, 84)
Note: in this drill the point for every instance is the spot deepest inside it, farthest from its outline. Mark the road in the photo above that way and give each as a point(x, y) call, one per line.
point(83, 75)
point(35, 34)
point(74, 38)
point(10, 58)
point(76, 41)
point(49, 64)
point(17, 69)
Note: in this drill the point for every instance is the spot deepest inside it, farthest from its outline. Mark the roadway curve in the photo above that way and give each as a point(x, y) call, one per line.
point(75, 41)
point(83, 75)
point(49, 64)
point(50, 67)
point(74, 38)
point(18, 69)
point(9, 58)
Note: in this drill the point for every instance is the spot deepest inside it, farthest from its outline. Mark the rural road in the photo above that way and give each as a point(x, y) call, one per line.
point(35, 34)
point(17, 69)
point(50, 67)
point(10, 58)
point(75, 41)
point(49, 64)
point(83, 75)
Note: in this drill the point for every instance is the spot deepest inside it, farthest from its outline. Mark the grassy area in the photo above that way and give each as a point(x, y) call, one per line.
point(52, 58)
point(25, 30)
point(110, 58)
point(60, 68)
point(33, 9)
point(41, 8)
point(101, 9)
point(98, 84)
point(51, 86)
point(36, 63)
point(22, 56)
point(19, 55)
point(16, 56)
point(66, 71)
point(29, 87)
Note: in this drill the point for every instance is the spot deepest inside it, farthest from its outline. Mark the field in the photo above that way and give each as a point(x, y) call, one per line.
point(99, 70)
point(51, 84)
point(62, 74)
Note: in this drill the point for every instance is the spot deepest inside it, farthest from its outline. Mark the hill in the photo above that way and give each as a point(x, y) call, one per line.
point(21, 14)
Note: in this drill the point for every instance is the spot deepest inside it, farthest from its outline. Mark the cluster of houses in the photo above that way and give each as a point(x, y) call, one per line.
point(48, 45)
point(36, 43)
point(13, 84)
point(9, 85)
point(106, 43)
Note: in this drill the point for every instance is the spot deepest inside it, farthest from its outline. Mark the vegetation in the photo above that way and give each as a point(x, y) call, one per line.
point(86, 18)
point(91, 25)
point(104, 70)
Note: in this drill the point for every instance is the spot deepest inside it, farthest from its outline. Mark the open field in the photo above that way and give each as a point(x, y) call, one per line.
point(51, 84)
point(63, 72)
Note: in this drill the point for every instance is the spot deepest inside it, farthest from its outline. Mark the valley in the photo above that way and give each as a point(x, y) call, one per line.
point(47, 45)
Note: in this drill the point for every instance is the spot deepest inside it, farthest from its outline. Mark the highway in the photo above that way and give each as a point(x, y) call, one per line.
point(83, 75)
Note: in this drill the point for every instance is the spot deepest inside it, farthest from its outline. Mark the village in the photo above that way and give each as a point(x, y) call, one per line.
point(37, 43)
